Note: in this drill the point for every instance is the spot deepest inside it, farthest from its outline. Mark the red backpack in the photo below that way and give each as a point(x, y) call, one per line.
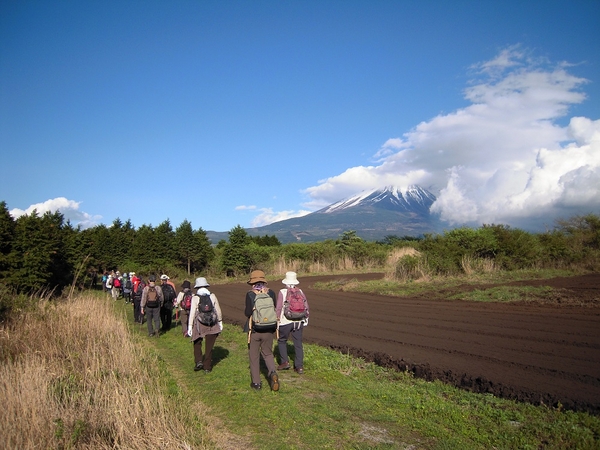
point(186, 302)
point(295, 306)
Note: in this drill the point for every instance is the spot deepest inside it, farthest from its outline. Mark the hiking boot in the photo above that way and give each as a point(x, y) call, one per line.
point(299, 370)
point(284, 366)
point(198, 367)
point(150, 334)
point(256, 386)
point(274, 381)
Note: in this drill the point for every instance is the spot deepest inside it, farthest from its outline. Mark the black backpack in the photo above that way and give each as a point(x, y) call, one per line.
point(168, 295)
point(206, 311)
point(139, 290)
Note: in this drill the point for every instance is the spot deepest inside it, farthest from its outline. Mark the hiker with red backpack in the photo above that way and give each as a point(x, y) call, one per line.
point(292, 312)
point(138, 289)
point(261, 327)
point(116, 285)
point(205, 323)
point(183, 305)
point(152, 300)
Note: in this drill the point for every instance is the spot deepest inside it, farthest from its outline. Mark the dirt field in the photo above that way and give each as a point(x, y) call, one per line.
point(541, 353)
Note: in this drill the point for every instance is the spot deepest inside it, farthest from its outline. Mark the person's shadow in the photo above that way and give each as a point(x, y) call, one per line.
point(219, 354)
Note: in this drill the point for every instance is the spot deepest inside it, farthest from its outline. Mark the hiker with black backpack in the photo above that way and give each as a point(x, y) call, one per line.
point(169, 297)
point(205, 323)
point(127, 288)
point(152, 300)
point(261, 327)
point(183, 305)
point(292, 312)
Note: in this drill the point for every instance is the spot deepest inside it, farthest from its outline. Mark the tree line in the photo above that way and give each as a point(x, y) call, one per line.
point(46, 252)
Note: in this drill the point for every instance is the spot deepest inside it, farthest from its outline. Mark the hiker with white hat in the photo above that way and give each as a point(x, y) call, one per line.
point(292, 311)
point(205, 322)
point(170, 295)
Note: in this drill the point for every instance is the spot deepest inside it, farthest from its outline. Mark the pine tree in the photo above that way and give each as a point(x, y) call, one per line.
point(7, 237)
point(235, 253)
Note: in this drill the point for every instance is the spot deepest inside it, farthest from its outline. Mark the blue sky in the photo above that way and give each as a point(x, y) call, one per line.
point(248, 112)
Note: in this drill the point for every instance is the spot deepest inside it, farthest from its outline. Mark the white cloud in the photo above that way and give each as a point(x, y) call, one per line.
point(501, 159)
point(68, 208)
point(506, 59)
point(268, 216)
point(245, 208)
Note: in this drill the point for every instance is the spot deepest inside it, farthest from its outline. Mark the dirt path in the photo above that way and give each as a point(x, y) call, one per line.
point(534, 353)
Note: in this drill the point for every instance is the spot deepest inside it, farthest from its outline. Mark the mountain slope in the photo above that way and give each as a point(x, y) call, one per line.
point(373, 214)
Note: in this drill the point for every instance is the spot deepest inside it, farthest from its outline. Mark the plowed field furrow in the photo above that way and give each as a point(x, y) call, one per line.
point(583, 338)
point(510, 351)
point(534, 353)
point(550, 371)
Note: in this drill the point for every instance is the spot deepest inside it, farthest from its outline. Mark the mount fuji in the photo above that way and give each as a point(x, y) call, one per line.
point(373, 214)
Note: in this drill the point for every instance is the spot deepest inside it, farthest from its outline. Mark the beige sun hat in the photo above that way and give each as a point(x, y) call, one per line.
point(290, 279)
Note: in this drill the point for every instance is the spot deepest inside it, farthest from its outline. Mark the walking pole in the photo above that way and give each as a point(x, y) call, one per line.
point(249, 329)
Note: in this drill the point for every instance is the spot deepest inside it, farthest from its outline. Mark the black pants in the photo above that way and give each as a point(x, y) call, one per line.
point(166, 318)
point(137, 310)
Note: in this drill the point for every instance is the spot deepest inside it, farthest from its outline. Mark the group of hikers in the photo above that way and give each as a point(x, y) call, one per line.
point(269, 316)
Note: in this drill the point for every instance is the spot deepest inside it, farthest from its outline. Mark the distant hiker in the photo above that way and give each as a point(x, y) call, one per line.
point(116, 285)
point(127, 288)
point(110, 285)
point(104, 280)
point(292, 312)
point(261, 327)
point(205, 322)
point(169, 297)
point(152, 300)
point(138, 288)
point(184, 304)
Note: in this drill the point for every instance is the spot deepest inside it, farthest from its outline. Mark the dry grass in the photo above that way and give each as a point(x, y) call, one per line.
point(72, 376)
point(340, 264)
point(406, 264)
point(472, 265)
point(398, 253)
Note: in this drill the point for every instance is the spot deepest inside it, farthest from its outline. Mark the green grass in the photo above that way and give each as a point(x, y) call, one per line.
point(506, 294)
point(436, 287)
point(344, 402)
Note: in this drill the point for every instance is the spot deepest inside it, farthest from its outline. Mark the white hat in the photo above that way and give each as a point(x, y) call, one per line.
point(164, 277)
point(201, 282)
point(290, 279)
point(131, 274)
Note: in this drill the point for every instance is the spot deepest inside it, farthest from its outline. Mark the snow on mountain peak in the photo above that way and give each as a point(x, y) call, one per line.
point(404, 198)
